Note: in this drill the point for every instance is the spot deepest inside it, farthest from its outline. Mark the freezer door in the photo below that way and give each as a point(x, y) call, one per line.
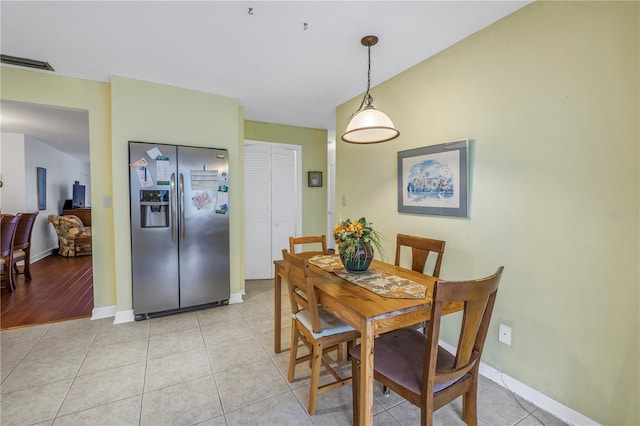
point(204, 225)
point(154, 254)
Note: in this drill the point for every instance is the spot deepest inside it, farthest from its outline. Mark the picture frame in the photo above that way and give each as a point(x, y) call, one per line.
point(315, 179)
point(41, 181)
point(434, 180)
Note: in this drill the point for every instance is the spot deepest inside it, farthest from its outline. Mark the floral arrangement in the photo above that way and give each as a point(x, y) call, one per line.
point(351, 236)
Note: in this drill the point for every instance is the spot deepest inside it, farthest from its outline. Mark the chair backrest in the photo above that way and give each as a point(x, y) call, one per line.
point(302, 292)
point(420, 249)
point(478, 298)
point(319, 239)
point(7, 234)
point(24, 230)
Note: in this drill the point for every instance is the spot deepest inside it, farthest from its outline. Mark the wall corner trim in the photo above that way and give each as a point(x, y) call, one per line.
point(103, 312)
point(124, 316)
point(236, 298)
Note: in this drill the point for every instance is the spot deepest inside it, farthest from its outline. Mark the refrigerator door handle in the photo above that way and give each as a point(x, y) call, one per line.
point(172, 213)
point(182, 207)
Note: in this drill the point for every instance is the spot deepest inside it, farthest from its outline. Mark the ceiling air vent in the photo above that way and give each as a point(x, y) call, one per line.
point(26, 62)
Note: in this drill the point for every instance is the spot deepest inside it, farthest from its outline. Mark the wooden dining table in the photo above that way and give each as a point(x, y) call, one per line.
point(365, 311)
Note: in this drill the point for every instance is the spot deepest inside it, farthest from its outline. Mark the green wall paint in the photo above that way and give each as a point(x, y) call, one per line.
point(314, 158)
point(149, 112)
point(549, 97)
point(50, 89)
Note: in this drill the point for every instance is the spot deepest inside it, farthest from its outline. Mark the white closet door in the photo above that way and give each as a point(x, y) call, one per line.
point(284, 202)
point(257, 213)
point(272, 204)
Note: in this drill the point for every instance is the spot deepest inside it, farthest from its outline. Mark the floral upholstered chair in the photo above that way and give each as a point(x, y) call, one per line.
point(74, 238)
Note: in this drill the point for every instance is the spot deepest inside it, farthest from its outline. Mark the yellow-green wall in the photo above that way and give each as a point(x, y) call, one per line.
point(50, 89)
point(549, 97)
point(314, 158)
point(148, 112)
point(129, 109)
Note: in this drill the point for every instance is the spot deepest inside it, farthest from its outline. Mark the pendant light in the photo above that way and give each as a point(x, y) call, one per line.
point(368, 125)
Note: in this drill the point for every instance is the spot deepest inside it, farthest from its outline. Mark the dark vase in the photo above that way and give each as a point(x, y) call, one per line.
point(360, 261)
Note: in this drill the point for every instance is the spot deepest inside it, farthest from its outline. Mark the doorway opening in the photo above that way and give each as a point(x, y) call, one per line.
point(38, 137)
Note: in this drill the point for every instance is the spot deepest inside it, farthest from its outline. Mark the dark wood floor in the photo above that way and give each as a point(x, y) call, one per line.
point(60, 288)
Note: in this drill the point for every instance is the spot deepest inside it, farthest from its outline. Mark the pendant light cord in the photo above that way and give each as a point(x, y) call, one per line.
point(367, 97)
point(368, 125)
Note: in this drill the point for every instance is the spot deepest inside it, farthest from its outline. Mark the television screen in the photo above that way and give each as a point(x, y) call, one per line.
point(78, 195)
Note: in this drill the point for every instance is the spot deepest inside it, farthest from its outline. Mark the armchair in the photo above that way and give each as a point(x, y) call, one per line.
point(74, 238)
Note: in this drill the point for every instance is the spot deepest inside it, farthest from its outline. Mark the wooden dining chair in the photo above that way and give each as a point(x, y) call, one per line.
point(319, 239)
point(420, 249)
point(7, 234)
point(22, 243)
point(413, 364)
point(320, 330)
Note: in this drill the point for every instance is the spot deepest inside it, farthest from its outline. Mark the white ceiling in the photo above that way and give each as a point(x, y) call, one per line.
point(279, 71)
point(65, 129)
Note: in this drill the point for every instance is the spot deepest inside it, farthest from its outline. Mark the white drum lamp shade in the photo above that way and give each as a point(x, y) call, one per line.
point(368, 125)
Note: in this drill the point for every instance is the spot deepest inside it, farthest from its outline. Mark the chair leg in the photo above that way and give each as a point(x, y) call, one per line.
point(469, 406)
point(25, 269)
point(293, 352)
point(355, 384)
point(316, 358)
point(27, 262)
point(11, 279)
point(426, 417)
point(340, 354)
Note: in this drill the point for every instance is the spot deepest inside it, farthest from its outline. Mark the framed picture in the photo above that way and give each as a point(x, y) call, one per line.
point(434, 180)
point(315, 179)
point(41, 180)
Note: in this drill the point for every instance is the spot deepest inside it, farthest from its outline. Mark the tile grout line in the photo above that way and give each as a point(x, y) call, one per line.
point(144, 378)
point(213, 376)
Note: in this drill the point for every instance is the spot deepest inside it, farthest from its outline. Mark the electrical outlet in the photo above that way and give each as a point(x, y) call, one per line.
point(504, 334)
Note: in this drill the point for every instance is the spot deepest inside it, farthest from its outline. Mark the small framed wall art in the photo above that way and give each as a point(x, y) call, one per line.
point(41, 182)
point(315, 179)
point(434, 179)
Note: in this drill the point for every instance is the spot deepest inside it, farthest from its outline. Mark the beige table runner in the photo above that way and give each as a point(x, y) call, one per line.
point(381, 283)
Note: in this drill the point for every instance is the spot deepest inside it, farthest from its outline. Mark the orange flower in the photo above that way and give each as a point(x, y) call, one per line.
point(349, 236)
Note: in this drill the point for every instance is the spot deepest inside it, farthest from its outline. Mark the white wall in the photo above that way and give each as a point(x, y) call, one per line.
point(12, 194)
point(21, 155)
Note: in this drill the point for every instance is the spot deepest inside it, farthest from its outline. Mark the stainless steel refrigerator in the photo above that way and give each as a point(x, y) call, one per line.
point(179, 227)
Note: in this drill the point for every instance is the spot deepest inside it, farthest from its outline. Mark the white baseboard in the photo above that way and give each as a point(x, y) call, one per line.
point(539, 399)
point(103, 312)
point(39, 256)
point(235, 298)
point(124, 316)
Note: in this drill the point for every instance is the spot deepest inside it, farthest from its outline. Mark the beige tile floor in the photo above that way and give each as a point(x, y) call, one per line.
point(207, 367)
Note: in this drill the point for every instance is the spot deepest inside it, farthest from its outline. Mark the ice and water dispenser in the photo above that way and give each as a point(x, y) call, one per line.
point(154, 208)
